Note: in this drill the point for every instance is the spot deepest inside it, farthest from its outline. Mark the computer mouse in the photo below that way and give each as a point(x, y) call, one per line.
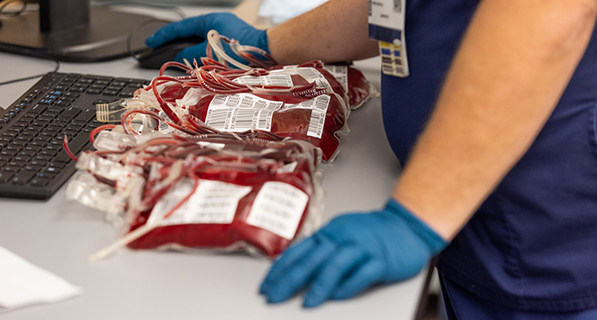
point(154, 58)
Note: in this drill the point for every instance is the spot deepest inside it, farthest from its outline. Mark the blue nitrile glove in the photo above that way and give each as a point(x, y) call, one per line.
point(352, 253)
point(226, 24)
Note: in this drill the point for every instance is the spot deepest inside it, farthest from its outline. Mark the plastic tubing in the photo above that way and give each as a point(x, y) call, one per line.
point(214, 40)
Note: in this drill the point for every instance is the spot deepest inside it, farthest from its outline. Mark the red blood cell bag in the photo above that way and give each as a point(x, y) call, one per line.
point(319, 120)
point(216, 191)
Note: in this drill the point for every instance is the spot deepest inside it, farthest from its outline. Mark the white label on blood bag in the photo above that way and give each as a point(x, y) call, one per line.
point(212, 202)
point(340, 73)
point(241, 112)
point(283, 78)
point(312, 75)
point(319, 106)
point(278, 208)
point(163, 127)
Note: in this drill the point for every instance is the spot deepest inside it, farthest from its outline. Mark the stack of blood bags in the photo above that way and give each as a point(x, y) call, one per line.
point(354, 82)
point(305, 102)
point(211, 191)
point(220, 158)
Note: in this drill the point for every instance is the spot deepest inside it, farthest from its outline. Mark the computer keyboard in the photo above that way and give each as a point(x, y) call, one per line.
point(33, 163)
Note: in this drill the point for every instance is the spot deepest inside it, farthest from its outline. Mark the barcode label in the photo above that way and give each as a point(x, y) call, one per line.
point(318, 106)
point(283, 80)
point(264, 120)
point(212, 202)
point(244, 112)
point(233, 101)
point(219, 100)
point(312, 75)
point(278, 208)
point(244, 100)
point(241, 112)
point(322, 103)
point(283, 77)
point(319, 103)
point(218, 118)
point(242, 119)
point(316, 124)
point(163, 127)
point(340, 73)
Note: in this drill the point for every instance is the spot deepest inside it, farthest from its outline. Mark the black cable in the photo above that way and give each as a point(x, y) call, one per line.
point(135, 30)
point(173, 8)
point(32, 77)
point(177, 10)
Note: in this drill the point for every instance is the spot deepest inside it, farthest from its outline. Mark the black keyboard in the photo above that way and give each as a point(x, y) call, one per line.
point(33, 163)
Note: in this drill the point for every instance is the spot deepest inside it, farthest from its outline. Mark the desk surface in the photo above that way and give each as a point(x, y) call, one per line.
point(58, 235)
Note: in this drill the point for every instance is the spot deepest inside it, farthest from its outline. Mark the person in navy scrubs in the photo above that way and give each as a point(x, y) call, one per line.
point(496, 127)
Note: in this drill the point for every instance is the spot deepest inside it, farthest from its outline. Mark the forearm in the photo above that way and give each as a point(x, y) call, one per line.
point(509, 73)
point(335, 31)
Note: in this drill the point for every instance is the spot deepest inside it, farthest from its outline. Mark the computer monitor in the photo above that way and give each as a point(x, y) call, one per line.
point(76, 31)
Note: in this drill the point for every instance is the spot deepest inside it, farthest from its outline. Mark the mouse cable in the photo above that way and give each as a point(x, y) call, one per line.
point(175, 9)
point(32, 77)
point(135, 30)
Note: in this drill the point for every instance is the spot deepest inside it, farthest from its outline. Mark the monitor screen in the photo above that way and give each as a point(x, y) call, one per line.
point(76, 31)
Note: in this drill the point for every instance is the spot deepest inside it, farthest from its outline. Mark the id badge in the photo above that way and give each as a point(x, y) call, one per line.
point(386, 24)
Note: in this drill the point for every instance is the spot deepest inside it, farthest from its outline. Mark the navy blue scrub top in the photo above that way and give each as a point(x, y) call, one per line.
point(533, 243)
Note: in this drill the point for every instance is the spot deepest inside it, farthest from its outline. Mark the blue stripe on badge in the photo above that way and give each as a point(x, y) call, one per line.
point(384, 34)
point(386, 51)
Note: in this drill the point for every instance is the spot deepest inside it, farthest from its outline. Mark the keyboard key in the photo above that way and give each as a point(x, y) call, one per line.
point(10, 168)
point(93, 91)
point(69, 113)
point(23, 177)
point(77, 144)
point(62, 156)
point(38, 109)
point(45, 175)
point(39, 182)
point(5, 176)
point(86, 115)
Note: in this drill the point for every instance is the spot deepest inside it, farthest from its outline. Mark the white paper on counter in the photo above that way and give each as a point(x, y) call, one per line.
point(23, 283)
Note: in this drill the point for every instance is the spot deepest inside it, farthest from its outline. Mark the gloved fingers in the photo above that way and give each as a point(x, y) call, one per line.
point(195, 26)
point(335, 268)
point(169, 32)
point(190, 53)
point(298, 275)
point(287, 259)
point(368, 274)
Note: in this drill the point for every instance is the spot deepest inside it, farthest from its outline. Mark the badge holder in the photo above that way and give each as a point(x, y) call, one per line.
point(386, 24)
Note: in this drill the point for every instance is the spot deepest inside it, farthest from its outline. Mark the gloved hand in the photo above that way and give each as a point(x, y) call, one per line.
point(352, 253)
point(226, 24)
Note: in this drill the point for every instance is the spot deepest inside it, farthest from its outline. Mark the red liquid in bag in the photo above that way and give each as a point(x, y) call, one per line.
point(256, 174)
point(320, 125)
